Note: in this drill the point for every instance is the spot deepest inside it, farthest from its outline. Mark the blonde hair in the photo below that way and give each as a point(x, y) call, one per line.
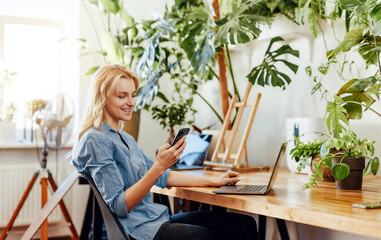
point(104, 83)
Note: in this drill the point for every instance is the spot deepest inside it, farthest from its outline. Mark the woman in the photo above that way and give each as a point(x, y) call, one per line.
point(124, 174)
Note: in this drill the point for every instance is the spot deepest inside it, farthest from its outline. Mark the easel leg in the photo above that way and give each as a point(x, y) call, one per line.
point(44, 200)
point(63, 208)
point(19, 206)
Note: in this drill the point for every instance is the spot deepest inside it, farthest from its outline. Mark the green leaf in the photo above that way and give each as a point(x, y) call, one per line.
point(162, 97)
point(349, 4)
point(112, 48)
point(238, 27)
point(130, 22)
point(375, 165)
point(328, 162)
point(267, 72)
point(336, 116)
point(110, 6)
point(377, 28)
point(358, 90)
point(368, 168)
point(351, 38)
point(318, 170)
point(340, 171)
point(375, 13)
point(92, 70)
point(312, 21)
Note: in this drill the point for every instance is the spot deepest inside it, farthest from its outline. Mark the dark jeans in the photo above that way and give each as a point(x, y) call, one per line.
point(208, 225)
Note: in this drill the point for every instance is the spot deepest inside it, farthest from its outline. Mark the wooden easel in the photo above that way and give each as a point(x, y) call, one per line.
point(222, 160)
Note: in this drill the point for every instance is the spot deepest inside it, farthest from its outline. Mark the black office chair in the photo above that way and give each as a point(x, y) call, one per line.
point(113, 227)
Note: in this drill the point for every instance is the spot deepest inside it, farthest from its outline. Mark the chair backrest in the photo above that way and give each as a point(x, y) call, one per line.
point(113, 227)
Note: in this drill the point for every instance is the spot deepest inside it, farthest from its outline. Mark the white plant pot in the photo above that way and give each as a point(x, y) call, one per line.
point(7, 132)
point(299, 126)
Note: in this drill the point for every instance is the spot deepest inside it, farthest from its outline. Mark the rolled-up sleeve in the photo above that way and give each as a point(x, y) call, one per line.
point(96, 153)
point(163, 179)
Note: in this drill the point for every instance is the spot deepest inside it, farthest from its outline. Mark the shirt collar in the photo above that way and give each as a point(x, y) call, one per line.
point(106, 128)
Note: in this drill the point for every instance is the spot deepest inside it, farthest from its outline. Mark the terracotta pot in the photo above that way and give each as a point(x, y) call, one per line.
point(354, 179)
point(326, 171)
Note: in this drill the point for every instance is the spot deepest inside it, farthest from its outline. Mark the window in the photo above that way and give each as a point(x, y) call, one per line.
point(33, 49)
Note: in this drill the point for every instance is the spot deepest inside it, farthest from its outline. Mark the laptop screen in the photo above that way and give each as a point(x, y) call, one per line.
point(196, 150)
point(277, 166)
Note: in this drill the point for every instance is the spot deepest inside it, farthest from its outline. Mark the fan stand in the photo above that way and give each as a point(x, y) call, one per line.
point(46, 178)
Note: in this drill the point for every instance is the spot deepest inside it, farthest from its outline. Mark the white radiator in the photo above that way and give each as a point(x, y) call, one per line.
point(14, 180)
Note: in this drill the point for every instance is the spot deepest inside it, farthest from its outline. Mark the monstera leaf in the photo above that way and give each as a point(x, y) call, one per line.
point(336, 117)
point(267, 73)
point(204, 55)
point(239, 26)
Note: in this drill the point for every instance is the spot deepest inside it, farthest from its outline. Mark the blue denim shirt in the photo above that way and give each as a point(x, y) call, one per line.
point(115, 167)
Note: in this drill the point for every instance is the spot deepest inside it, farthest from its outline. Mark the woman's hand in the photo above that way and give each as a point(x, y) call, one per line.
point(167, 155)
point(227, 178)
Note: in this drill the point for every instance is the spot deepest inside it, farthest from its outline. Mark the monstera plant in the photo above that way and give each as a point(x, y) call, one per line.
point(192, 29)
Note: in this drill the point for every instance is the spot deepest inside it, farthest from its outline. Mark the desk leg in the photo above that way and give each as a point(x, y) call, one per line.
point(282, 229)
point(262, 227)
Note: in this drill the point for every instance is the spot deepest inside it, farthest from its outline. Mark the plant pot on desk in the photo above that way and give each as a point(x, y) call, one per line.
point(326, 171)
point(354, 179)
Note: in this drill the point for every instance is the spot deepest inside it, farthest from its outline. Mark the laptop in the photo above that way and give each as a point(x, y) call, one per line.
point(256, 189)
point(195, 152)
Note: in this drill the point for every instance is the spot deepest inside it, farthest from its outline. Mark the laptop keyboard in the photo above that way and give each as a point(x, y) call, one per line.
point(252, 188)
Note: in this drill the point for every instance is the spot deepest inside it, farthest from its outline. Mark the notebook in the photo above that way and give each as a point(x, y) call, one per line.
point(195, 152)
point(256, 189)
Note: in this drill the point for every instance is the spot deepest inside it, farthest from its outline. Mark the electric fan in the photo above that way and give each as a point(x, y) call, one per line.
point(56, 122)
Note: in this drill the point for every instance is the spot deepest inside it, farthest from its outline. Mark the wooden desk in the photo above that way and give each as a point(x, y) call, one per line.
point(323, 206)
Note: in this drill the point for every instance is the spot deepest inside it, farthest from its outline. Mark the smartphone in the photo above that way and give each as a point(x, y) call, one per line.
point(179, 135)
point(367, 205)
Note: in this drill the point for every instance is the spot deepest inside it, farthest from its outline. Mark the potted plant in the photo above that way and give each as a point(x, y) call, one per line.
point(308, 155)
point(345, 156)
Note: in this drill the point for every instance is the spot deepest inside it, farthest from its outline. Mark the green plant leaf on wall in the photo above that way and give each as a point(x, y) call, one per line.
point(375, 13)
point(110, 6)
point(351, 39)
point(112, 48)
point(267, 73)
point(340, 171)
point(336, 117)
point(349, 4)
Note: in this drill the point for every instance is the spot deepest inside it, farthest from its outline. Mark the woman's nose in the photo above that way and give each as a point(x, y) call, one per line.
point(131, 101)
